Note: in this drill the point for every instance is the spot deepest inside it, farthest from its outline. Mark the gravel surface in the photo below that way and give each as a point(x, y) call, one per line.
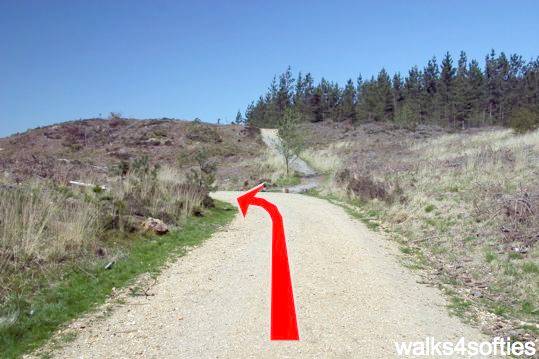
point(353, 299)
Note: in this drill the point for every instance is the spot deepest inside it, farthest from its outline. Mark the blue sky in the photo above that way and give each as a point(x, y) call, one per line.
point(64, 60)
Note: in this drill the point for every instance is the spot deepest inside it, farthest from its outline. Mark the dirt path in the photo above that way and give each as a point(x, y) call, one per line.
point(353, 299)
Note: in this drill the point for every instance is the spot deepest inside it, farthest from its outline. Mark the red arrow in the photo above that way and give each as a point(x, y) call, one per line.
point(283, 312)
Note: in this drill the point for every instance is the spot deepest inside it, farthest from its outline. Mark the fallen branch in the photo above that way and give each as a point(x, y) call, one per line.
point(82, 184)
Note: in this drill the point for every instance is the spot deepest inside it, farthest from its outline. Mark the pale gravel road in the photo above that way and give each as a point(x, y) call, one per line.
point(353, 298)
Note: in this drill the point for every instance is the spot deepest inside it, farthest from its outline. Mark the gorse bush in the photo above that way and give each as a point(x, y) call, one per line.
point(201, 132)
point(199, 167)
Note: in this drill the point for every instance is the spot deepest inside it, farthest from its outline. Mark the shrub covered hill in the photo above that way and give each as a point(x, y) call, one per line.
point(94, 150)
point(81, 203)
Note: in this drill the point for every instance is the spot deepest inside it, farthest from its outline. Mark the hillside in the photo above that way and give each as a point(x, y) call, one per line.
point(463, 206)
point(88, 206)
point(92, 149)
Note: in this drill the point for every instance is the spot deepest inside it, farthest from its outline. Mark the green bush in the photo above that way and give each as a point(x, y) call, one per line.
point(524, 120)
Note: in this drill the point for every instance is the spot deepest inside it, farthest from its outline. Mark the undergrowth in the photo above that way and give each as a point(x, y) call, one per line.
point(29, 318)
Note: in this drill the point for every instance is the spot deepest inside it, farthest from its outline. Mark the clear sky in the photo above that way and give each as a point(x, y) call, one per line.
point(64, 60)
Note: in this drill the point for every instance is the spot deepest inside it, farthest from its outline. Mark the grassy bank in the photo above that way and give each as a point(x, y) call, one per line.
point(28, 319)
point(464, 206)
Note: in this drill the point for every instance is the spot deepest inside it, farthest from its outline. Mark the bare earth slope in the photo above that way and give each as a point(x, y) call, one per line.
point(352, 297)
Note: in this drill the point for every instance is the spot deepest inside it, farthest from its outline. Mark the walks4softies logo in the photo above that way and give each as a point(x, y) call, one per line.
point(431, 347)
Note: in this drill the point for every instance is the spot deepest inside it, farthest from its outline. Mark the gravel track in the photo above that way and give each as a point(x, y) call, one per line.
point(309, 178)
point(353, 299)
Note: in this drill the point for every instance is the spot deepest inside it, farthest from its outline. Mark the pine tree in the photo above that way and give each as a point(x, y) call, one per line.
point(334, 97)
point(328, 94)
point(308, 92)
point(366, 109)
point(299, 94)
point(385, 109)
point(250, 114)
point(463, 94)
point(271, 110)
point(429, 98)
point(503, 87)
point(414, 93)
point(492, 85)
point(316, 106)
point(347, 110)
point(447, 74)
point(530, 88)
point(284, 92)
point(359, 116)
point(239, 118)
point(475, 90)
point(308, 85)
point(376, 100)
point(398, 92)
point(359, 83)
point(256, 114)
point(461, 100)
point(513, 93)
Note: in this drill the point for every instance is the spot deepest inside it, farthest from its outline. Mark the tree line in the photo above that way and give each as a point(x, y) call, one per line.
point(457, 94)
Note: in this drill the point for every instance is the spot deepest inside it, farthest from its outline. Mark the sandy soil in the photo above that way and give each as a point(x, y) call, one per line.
point(353, 299)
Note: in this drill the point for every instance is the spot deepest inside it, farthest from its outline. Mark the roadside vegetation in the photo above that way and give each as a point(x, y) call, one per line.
point(463, 206)
point(291, 140)
point(269, 168)
point(63, 248)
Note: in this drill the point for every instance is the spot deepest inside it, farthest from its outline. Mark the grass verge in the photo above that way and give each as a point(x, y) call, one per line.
point(34, 317)
point(284, 181)
point(413, 257)
point(352, 207)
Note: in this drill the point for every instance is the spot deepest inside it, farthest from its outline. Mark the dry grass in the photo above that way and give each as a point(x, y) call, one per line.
point(39, 224)
point(466, 203)
point(165, 195)
point(326, 160)
point(42, 228)
point(472, 206)
point(44, 225)
point(271, 166)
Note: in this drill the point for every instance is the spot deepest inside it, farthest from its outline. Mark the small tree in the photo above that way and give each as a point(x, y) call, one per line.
point(291, 141)
point(239, 118)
